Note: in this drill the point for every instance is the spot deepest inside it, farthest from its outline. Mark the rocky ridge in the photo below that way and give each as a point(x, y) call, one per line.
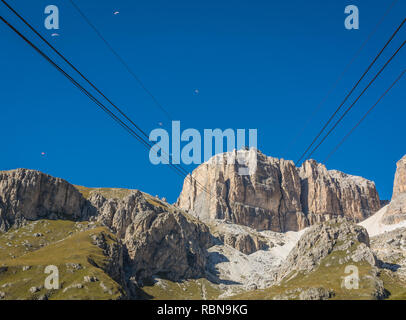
point(148, 243)
point(278, 196)
point(154, 236)
point(27, 195)
point(321, 240)
point(158, 238)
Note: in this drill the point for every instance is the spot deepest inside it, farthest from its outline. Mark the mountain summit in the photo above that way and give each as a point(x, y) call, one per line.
point(279, 196)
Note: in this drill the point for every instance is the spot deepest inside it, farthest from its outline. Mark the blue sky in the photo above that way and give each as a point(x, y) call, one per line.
point(257, 64)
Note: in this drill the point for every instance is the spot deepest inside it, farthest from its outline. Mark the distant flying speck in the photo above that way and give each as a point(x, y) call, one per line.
point(42, 153)
point(196, 91)
point(161, 124)
point(55, 35)
point(116, 12)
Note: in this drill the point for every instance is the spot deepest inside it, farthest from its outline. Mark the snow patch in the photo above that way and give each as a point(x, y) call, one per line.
point(374, 225)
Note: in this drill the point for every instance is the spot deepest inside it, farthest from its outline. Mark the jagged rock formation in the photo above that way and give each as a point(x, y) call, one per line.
point(399, 185)
point(244, 239)
point(278, 196)
point(114, 251)
point(159, 239)
point(390, 246)
point(145, 240)
point(331, 259)
point(390, 249)
point(267, 200)
point(321, 240)
point(27, 195)
point(244, 243)
point(168, 244)
point(336, 193)
point(396, 209)
point(322, 250)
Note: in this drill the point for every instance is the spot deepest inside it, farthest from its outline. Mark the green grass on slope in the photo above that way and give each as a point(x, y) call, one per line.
point(395, 286)
point(65, 244)
point(199, 289)
point(33, 236)
point(108, 193)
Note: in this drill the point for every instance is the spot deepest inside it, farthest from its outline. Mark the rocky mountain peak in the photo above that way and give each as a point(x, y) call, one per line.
point(278, 196)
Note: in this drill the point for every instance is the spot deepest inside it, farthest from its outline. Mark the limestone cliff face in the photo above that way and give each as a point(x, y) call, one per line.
point(30, 195)
point(159, 239)
point(396, 209)
point(331, 193)
point(399, 185)
point(278, 196)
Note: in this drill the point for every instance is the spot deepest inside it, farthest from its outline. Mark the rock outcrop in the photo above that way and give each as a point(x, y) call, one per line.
point(27, 195)
point(396, 209)
point(331, 193)
point(242, 238)
point(334, 256)
point(278, 196)
point(168, 244)
point(390, 250)
point(244, 243)
point(321, 240)
point(159, 239)
point(399, 185)
point(114, 253)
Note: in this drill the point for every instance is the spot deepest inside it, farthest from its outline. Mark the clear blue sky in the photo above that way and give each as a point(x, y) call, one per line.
point(257, 64)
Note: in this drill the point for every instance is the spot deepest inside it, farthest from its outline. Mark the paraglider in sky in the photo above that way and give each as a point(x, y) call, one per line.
point(42, 153)
point(116, 12)
point(55, 35)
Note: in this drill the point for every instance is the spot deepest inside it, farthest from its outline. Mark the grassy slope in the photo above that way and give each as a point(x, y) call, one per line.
point(62, 243)
point(108, 193)
point(199, 289)
point(395, 286)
